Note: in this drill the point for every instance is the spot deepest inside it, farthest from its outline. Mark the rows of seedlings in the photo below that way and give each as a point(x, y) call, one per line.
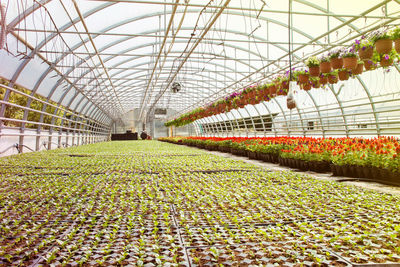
point(146, 203)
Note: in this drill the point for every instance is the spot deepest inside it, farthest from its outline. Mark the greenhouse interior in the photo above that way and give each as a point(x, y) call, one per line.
point(196, 133)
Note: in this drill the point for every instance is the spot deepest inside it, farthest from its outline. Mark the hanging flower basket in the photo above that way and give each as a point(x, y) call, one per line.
point(314, 71)
point(325, 67)
point(384, 46)
point(359, 69)
point(272, 89)
point(282, 92)
point(332, 78)
point(337, 63)
point(265, 91)
point(316, 84)
point(397, 45)
point(285, 85)
point(366, 53)
point(323, 79)
point(369, 64)
point(386, 62)
point(350, 63)
point(290, 102)
point(253, 101)
point(313, 66)
point(306, 86)
point(303, 78)
point(343, 74)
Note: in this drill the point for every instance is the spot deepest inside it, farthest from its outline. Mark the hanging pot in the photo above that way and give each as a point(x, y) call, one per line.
point(316, 84)
point(343, 75)
point(291, 104)
point(265, 92)
point(350, 63)
point(285, 85)
point(323, 79)
point(290, 101)
point(306, 86)
point(386, 62)
point(303, 78)
point(366, 53)
point(272, 89)
point(397, 45)
point(384, 46)
point(282, 92)
point(369, 64)
point(314, 71)
point(332, 79)
point(337, 63)
point(325, 67)
point(359, 69)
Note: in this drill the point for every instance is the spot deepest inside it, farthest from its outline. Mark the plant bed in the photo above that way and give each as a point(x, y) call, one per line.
point(151, 203)
point(252, 155)
point(264, 254)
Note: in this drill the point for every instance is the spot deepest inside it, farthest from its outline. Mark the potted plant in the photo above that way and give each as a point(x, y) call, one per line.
point(383, 42)
point(371, 64)
point(386, 60)
point(315, 82)
point(302, 76)
point(336, 59)
point(313, 66)
point(395, 35)
point(285, 82)
point(306, 86)
point(272, 88)
point(364, 47)
point(349, 59)
point(325, 65)
point(359, 69)
point(333, 77)
point(323, 78)
point(343, 74)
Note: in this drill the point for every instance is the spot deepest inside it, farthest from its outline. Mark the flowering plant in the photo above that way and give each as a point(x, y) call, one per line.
point(312, 61)
point(362, 44)
point(324, 58)
point(395, 33)
point(388, 57)
point(349, 53)
point(380, 35)
point(335, 53)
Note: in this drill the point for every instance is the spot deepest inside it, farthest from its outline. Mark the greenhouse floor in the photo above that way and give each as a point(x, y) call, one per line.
point(147, 203)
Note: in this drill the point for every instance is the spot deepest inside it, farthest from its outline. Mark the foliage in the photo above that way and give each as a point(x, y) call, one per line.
point(362, 44)
point(17, 113)
point(324, 58)
point(349, 53)
point(312, 62)
point(395, 33)
point(335, 53)
point(379, 35)
point(147, 203)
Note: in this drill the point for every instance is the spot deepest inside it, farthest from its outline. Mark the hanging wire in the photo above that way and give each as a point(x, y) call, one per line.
point(290, 40)
point(3, 25)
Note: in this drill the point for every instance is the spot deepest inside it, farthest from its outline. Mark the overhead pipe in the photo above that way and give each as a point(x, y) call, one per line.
point(158, 58)
point(190, 52)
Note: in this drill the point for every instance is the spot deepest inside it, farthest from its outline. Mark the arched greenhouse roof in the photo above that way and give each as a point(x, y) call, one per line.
point(102, 59)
